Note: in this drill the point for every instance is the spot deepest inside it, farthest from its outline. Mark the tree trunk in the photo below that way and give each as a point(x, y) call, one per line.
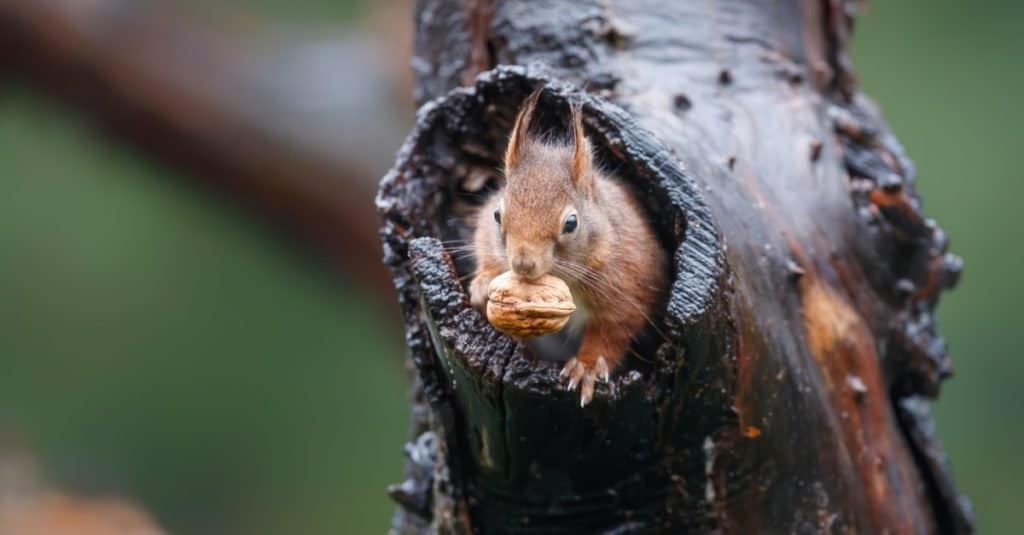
point(782, 391)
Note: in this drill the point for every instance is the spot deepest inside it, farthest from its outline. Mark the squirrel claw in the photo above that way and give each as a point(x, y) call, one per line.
point(601, 367)
point(567, 368)
point(585, 376)
point(587, 390)
point(574, 370)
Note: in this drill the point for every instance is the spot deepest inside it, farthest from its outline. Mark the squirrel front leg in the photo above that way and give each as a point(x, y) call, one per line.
point(488, 264)
point(481, 281)
point(602, 349)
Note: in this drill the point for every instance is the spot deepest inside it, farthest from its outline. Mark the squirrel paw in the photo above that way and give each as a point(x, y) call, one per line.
point(585, 375)
point(478, 291)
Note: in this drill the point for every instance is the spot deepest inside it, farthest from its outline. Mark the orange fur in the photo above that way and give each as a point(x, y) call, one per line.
point(611, 261)
point(519, 135)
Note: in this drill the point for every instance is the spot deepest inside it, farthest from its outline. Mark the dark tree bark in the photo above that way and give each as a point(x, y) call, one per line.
point(784, 389)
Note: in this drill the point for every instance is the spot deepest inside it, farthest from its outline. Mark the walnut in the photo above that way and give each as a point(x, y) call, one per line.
point(523, 309)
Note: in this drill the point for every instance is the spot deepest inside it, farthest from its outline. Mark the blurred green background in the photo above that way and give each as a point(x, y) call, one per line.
point(945, 73)
point(159, 342)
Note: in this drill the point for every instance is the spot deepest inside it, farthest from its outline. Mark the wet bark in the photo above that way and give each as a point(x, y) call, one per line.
point(783, 390)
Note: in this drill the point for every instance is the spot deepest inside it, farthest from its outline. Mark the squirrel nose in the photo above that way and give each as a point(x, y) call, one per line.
point(525, 267)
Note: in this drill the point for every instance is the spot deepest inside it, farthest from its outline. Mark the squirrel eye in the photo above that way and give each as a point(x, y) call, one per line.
point(497, 216)
point(570, 224)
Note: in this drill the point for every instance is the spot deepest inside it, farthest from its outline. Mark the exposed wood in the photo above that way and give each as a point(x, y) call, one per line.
point(782, 390)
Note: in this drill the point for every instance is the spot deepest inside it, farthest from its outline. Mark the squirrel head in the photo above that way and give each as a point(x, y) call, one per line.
point(548, 215)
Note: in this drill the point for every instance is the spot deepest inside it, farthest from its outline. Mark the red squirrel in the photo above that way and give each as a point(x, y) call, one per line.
point(558, 213)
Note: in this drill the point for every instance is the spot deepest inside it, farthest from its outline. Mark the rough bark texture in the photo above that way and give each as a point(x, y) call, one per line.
point(782, 391)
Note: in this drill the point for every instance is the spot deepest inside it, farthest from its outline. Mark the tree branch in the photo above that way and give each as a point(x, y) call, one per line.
point(270, 121)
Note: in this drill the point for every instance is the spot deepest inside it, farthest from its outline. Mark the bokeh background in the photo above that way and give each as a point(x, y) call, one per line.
point(163, 344)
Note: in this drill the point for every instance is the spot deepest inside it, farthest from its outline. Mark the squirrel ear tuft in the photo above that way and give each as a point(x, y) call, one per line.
point(581, 168)
point(521, 130)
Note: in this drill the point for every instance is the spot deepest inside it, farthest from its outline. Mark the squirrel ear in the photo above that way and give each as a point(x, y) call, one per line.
point(521, 130)
point(581, 168)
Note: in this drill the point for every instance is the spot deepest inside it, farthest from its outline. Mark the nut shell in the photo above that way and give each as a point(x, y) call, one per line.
point(523, 309)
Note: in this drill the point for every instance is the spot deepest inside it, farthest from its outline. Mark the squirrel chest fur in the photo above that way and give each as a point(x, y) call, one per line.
point(558, 214)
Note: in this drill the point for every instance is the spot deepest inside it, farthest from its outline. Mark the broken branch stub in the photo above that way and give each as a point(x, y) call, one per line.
point(528, 456)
